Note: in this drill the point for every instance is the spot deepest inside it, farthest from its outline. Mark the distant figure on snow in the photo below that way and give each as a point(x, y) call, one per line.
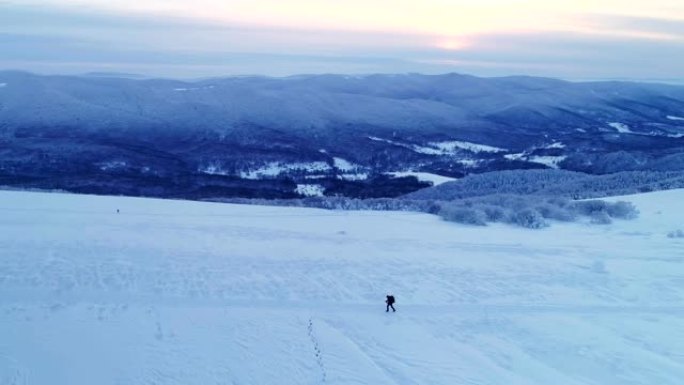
point(117, 211)
point(390, 303)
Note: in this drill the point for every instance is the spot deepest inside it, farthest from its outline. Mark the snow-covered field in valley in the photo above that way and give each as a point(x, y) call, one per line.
point(174, 292)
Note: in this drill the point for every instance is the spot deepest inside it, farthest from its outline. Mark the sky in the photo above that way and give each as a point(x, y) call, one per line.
point(569, 39)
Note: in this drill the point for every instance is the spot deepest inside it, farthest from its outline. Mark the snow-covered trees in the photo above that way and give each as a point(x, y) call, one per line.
point(531, 198)
point(466, 215)
point(560, 183)
point(532, 211)
point(676, 234)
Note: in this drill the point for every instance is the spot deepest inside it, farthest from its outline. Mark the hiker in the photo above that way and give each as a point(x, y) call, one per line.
point(390, 303)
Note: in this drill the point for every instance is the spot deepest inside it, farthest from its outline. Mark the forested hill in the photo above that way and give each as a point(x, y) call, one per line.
point(322, 134)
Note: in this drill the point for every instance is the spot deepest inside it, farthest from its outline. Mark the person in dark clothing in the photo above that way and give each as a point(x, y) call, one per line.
point(390, 303)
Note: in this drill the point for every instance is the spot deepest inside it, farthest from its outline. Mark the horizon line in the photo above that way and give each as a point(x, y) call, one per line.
point(143, 76)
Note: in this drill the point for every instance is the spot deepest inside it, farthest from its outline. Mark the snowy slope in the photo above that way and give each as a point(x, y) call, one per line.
point(173, 292)
point(424, 176)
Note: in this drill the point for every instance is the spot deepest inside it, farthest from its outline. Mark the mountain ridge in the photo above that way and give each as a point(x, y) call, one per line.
point(56, 127)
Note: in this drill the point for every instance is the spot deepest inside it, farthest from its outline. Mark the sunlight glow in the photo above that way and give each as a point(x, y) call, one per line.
point(572, 38)
point(452, 44)
point(430, 17)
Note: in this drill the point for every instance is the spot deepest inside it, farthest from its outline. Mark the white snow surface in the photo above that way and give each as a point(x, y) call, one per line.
point(213, 169)
point(175, 292)
point(672, 117)
point(621, 127)
point(193, 89)
point(518, 156)
point(273, 169)
point(310, 190)
point(424, 176)
point(354, 176)
point(550, 161)
point(344, 165)
point(442, 148)
point(469, 162)
point(453, 146)
point(412, 147)
point(556, 145)
point(112, 165)
point(426, 150)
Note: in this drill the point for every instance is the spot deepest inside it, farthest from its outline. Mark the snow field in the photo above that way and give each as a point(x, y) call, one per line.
point(174, 292)
point(621, 127)
point(424, 176)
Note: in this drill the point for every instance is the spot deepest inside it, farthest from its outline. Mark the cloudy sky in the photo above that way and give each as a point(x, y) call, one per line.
point(571, 39)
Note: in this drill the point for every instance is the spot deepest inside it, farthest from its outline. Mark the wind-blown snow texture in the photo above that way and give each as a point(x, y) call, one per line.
point(173, 292)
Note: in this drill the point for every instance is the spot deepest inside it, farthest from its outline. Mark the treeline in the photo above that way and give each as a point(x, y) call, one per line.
point(560, 183)
point(533, 212)
point(527, 211)
point(527, 198)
